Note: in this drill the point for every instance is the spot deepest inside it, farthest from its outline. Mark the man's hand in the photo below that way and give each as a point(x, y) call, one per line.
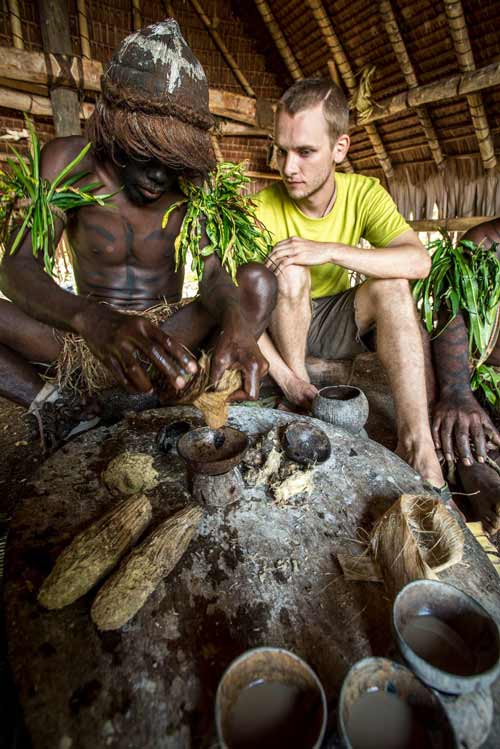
point(297, 251)
point(236, 349)
point(460, 425)
point(118, 340)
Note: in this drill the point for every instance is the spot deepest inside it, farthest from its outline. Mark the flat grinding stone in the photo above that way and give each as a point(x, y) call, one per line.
point(258, 573)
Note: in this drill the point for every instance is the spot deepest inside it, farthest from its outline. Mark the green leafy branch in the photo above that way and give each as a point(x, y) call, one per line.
point(228, 217)
point(29, 203)
point(464, 277)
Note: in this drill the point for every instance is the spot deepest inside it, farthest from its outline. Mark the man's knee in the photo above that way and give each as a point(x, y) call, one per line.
point(258, 280)
point(294, 282)
point(389, 292)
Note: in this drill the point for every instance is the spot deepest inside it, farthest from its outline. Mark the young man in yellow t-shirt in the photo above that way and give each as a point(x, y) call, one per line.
point(317, 217)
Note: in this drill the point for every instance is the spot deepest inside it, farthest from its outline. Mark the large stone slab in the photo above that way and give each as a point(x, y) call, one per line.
point(257, 573)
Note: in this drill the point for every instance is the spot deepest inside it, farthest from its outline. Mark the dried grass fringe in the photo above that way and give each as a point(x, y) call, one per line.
point(416, 538)
point(462, 188)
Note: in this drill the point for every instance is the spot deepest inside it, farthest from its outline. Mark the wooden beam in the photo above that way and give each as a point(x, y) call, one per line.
point(333, 43)
point(31, 67)
point(450, 224)
point(37, 105)
point(227, 129)
point(460, 35)
point(15, 24)
point(279, 39)
point(83, 28)
point(219, 43)
point(401, 53)
point(439, 91)
point(54, 20)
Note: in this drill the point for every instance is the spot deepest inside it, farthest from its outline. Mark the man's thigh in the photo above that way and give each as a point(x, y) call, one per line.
point(334, 332)
point(33, 340)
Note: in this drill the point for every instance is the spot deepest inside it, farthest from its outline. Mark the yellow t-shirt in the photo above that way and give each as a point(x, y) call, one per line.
point(362, 208)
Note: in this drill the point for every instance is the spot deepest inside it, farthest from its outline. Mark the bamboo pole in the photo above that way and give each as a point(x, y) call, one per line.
point(136, 15)
point(401, 53)
point(84, 29)
point(15, 24)
point(460, 35)
point(34, 104)
point(345, 70)
point(217, 150)
point(219, 43)
point(279, 39)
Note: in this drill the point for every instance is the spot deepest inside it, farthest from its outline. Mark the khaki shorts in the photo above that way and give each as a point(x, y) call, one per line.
point(334, 333)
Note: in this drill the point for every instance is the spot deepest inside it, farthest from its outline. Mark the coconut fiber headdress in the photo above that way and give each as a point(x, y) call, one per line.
point(154, 101)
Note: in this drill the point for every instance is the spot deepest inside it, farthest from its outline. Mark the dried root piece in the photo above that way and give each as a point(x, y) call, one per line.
point(126, 591)
point(299, 482)
point(94, 552)
point(130, 473)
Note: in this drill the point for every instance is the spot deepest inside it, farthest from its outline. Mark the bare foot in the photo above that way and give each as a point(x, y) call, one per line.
point(298, 392)
point(482, 484)
point(421, 455)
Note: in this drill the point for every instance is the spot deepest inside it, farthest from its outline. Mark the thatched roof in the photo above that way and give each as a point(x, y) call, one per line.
point(429, 143)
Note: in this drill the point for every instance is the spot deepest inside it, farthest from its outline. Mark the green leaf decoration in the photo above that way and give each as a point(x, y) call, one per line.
point(464, 277)
point(219, 209)
point(27, 201)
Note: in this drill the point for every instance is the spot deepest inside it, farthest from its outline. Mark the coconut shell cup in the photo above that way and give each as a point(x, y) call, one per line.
point(343, 406)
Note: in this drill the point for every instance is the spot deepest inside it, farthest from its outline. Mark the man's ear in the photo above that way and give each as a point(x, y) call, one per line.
point(341, 148)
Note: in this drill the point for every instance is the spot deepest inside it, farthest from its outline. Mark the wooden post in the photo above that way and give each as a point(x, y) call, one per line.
point(219, 43)
point(54, 21)
point(463, 49)
point(136, 15)
point(15, 24)
point(333, 43)
point(401, 53)
point(84, 29)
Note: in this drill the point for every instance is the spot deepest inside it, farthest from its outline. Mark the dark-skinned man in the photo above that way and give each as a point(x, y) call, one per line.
point(460, 425)
point(149, 127)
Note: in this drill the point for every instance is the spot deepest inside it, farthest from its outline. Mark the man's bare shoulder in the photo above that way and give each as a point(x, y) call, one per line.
point(60, 152)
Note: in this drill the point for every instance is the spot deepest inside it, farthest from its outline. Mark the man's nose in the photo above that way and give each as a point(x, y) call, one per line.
point(157, 173)
point(290, 165)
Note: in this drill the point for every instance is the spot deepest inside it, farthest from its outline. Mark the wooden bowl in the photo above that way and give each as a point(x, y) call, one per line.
point(344, 406)
point(212, 451)
point(382, 704)
point(455, 661)
point(290, 709)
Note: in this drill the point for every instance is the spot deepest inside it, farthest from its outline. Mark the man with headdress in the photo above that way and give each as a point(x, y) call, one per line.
point(149, 127)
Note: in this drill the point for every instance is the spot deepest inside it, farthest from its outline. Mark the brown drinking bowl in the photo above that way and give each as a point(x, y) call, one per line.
point(270, 698)
point(382, 704)
point(212, 451)
point(446, 637)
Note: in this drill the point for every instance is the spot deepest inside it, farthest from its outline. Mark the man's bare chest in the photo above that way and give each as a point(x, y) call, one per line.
point(110, 237)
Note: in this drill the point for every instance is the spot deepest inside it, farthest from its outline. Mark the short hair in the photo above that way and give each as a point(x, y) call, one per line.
point(310, 92)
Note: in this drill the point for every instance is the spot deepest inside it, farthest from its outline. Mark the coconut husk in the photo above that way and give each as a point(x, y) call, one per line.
point(212, 400)
point(416, 538)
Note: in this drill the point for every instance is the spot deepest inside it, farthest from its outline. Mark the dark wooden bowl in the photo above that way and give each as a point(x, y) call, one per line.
point(467, 618)
point(212, 451)
point(306, 443)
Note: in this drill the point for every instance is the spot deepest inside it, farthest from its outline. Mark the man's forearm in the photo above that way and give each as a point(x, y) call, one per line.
point(408, 262)
point(24, 282)
point(451, 357)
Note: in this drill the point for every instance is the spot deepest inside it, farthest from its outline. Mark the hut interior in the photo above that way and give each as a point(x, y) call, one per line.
point(423, 83)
